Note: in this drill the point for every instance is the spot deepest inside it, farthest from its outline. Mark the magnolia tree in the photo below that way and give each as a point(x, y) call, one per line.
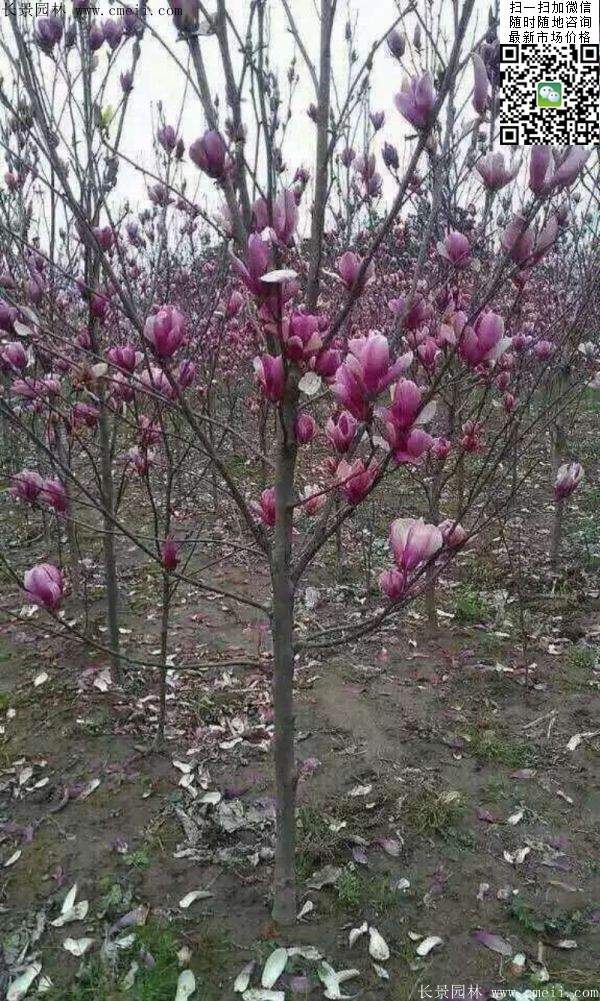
point(289, 342)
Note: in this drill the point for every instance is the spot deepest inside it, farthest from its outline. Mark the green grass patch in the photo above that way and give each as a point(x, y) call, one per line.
point(138, 859)
point(212, 952)
point(360, 892)
point(156, 977)
point(495, 791)
point(560, 924)
point(93, 984)
point(318, 844)
point(582, 657)
point(431, 812)
point(495, 748)
point(470, 606)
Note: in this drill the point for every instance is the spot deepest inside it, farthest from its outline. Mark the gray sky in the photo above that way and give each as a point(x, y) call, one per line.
point(158, 79)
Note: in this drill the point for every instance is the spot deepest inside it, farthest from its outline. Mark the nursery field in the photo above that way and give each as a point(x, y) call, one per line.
point(438, 795)
point(299, 508)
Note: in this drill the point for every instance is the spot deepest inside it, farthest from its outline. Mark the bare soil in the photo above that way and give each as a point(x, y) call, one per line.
point(415, 748)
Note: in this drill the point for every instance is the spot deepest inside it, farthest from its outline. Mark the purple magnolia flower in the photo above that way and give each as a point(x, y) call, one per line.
point(54, 494)
point(257, 263)
point(413, 542)
point(441, 448)
point(84, 414)
point(260, 214)
point(313, 499)
point(545, 239)
point(305, 428)
point(265, 509)
point(26, 485)
point(167, 137)
point(285, 216)
point(369, 359)
point(409, 447)
point(302, 336)
point(105, 236)
point(29, 389)
point(570, 168)
point(518, 240)
point(455, 248)
point(99, 304)
point(95, 37)
point(453, 533)
point(159, 195)
point(416, 100)
point(270, 374)
point(185, 15)
point(485, 340)
point(480, 84)
point(366, 372)
point(140, 459)
point(113, 31)
point(13, 181)
point(209, 153)
point(14, 356)
point(568, 478)
point(327, 363)
point(417, 314)
point(8, 315)
point(428, 352)
point(44, 585)
point(544, 350)
point(396, 43)
point(540, 169)
point(132, 23)
point(366, 166)
point(35, 290)
point(407, 401)
point(341, 431)
point(392, 583)
point(355, 479)
point(234, 304)
point(389, 155)
point(186, 374)
point(126, 80)
point(169, 554)
point(48, 32)
point(494, 173)
point(349, 265)
point(123, 356)
point(373, 186)
point(165, 331)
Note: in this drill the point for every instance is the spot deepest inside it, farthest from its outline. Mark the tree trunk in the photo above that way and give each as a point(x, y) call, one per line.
point(557, 533)
point(431, 576)
point(322, 157)
point(559, 446)
point(430, 598)
point(282, 626)
point(70, 525)
point(514, 471)
point(110, 563)
point(460, 485)
point(164, 637)
point(559, 431)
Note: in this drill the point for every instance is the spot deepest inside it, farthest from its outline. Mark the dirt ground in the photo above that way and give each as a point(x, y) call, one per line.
point(438, 795)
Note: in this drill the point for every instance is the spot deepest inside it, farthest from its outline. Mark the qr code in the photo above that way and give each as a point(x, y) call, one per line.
point(550, 94)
